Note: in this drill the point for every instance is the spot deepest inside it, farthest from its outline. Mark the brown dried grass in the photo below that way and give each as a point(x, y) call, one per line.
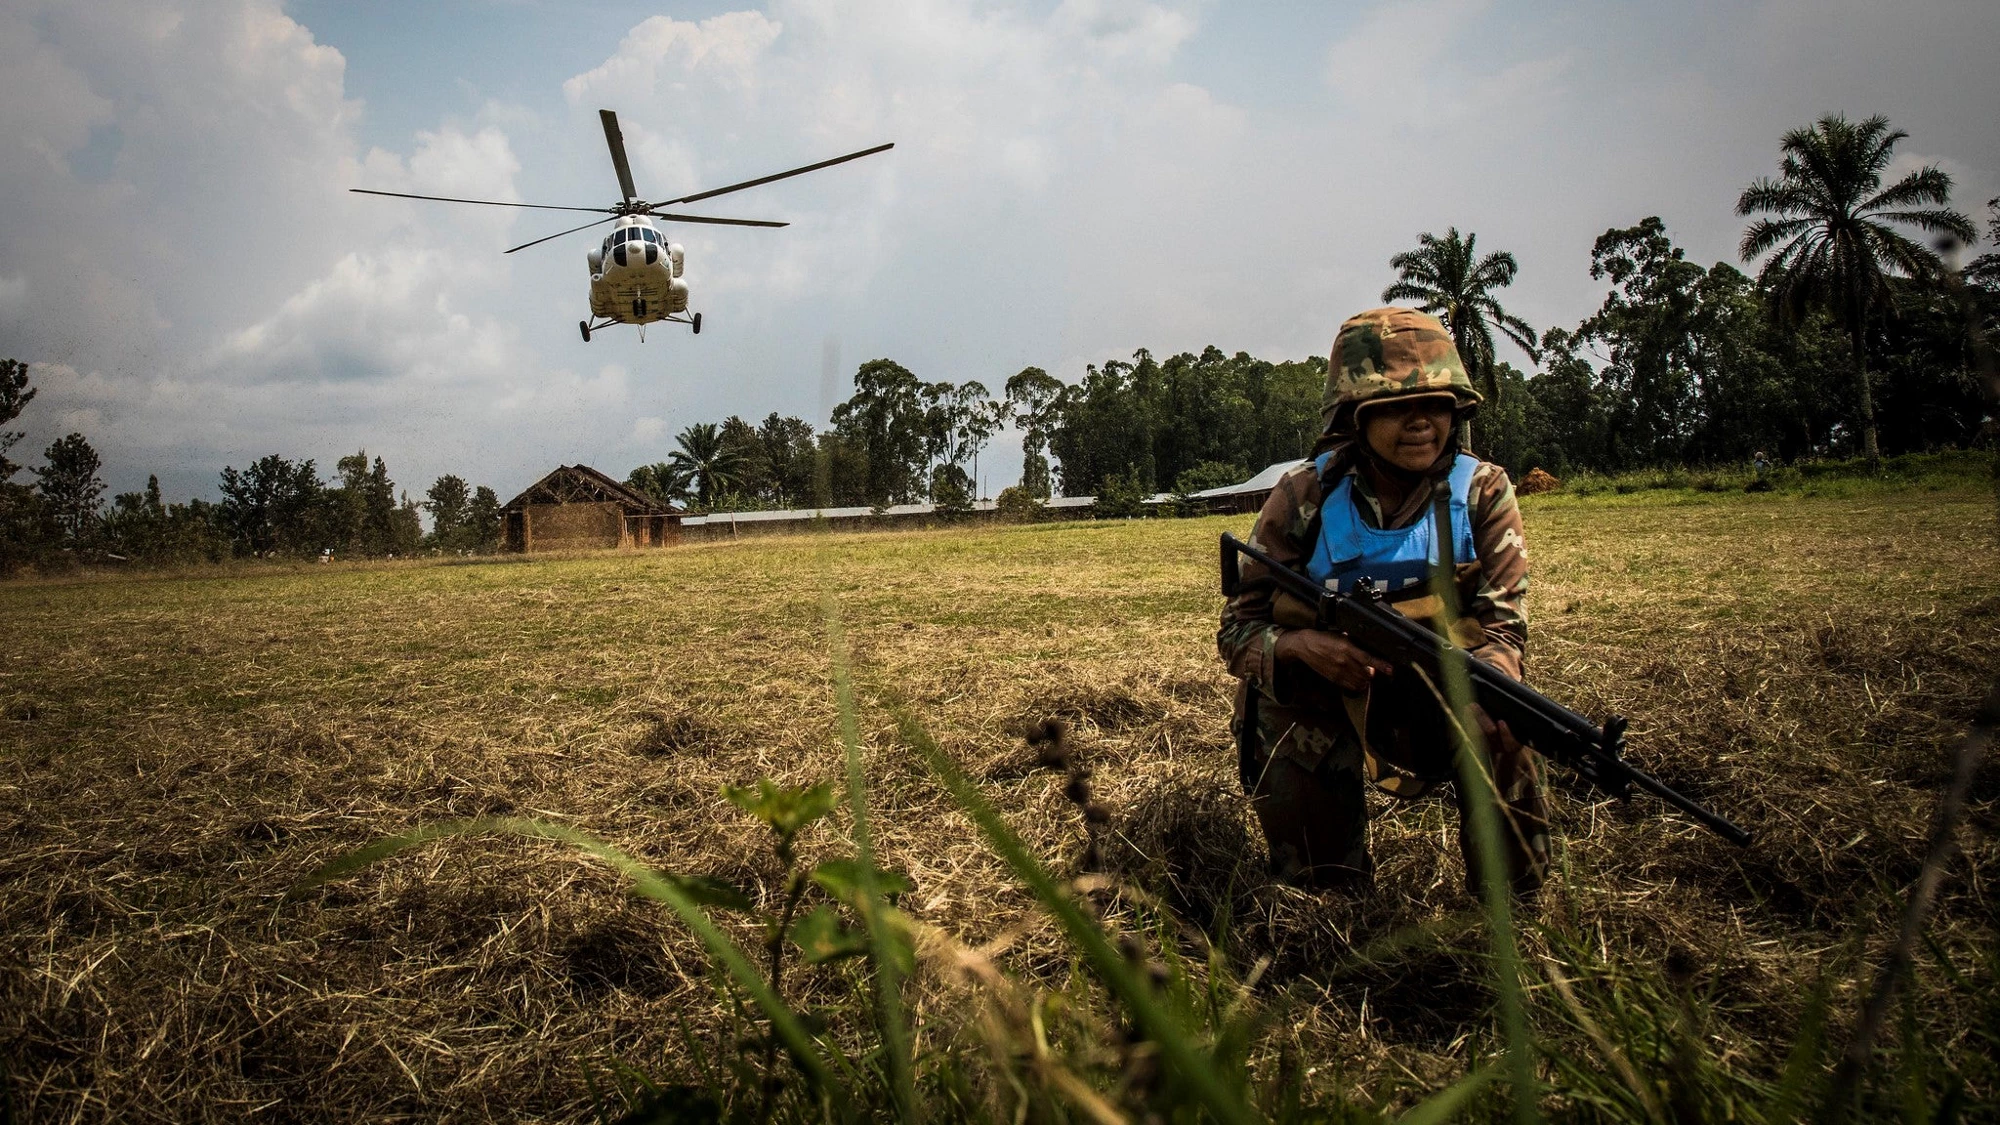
point(179, 752)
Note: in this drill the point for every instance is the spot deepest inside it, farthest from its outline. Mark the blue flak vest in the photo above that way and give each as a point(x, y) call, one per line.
point(1350, 550)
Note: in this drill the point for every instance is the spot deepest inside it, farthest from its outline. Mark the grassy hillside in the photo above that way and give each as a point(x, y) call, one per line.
point(177, 752)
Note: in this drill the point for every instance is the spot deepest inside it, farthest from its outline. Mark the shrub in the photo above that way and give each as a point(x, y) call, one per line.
point(1121, 497)
point(1017, 505)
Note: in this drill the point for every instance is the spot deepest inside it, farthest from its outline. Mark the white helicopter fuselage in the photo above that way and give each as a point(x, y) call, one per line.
point(635, 275)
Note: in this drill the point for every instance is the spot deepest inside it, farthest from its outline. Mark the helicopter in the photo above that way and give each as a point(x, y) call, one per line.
point(635, 274)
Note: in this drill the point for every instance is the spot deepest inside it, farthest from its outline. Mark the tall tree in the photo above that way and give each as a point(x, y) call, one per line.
point(663, 481)
point(840, 472)
point(710, 466)
point(1105, 427)
point(406, 526)
point(886, 423)
point(959, 419)
point(70, 487)
point(1832, 226)
point(482, 519)
point(1448, 278)
point(448, 502)
point(344, 507)
point(15, 395)
point(749, 475)
point(1983, 270)
point(270, 505)
point(1204, 412)
point(1033, 394)
point(1286, 398)
point(388, 532)
point(787, 448)
point(1650, 323)
point(20, 521)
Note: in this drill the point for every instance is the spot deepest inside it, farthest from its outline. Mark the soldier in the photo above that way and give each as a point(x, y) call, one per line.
point(1316, 716)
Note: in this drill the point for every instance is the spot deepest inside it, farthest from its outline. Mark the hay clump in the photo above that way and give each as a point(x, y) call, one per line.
point(1185, 836)
point(675, 733)
point(1537, 481)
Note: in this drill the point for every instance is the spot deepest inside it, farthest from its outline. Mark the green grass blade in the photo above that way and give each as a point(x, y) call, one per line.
point(1483, 801)
point(1446, 1103)
point(1184, 1058)
point(1802, 1068)
point(648, 883)
point(888, 975)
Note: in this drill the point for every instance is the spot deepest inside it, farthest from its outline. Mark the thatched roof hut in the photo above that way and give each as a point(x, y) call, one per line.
point(577, 508)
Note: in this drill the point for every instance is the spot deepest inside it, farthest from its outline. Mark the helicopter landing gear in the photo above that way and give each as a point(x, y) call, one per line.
point(697, 324)
point(583, 326)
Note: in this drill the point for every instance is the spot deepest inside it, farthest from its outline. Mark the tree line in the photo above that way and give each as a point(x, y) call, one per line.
point(896, 440)
point(274, 507)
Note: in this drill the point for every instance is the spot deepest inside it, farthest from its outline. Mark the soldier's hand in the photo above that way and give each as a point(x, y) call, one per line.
point(1500, 742)
point(1333, 656)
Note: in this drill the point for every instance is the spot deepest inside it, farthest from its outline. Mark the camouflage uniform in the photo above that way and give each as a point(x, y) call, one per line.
point(1305, 764)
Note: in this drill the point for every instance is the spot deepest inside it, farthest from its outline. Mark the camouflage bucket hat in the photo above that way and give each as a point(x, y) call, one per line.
point(1390, 353)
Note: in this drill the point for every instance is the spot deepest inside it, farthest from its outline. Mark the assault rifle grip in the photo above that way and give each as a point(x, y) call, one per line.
point(1232, 576)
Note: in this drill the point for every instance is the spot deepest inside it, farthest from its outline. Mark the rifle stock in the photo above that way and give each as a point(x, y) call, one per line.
point(1559, 734)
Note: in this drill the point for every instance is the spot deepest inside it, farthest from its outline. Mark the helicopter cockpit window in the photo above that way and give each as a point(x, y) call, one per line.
point(649, 236)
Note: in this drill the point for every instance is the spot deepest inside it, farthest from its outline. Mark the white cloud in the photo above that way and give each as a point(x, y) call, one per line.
point(1121, 30)
point(664, 52)
point(182, 263)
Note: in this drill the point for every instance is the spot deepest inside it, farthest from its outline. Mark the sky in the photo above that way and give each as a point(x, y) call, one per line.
point(183, 266)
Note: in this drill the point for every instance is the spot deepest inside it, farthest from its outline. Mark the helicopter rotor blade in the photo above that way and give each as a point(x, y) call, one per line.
point(560, 233)
point(720, 222)
point(779, 176)
point(482, 202)
point(616, 139)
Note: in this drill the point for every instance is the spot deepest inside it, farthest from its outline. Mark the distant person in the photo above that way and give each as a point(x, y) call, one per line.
point(1761, 465)
point(1318, 718)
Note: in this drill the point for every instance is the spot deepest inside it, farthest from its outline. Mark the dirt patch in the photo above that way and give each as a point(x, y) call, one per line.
point(677, 733)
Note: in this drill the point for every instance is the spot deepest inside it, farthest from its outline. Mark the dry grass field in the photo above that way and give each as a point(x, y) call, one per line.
point(176, 752)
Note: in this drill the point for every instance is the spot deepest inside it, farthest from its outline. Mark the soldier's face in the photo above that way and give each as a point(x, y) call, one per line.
point(1409, 433)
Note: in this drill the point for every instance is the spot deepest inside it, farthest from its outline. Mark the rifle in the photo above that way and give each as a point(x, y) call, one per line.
point(1558, 733)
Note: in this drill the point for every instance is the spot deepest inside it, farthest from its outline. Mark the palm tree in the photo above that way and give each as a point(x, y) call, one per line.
point(661, 481)
point(1833, 235)
point(705, 461)
point(1450, 281)
point(1983, 271)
